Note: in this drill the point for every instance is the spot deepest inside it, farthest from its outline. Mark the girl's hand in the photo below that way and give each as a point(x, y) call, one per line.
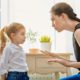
point(61, 61)
point(3, 77)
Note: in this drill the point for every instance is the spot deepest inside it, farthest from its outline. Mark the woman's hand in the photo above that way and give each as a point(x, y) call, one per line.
point(61, 61)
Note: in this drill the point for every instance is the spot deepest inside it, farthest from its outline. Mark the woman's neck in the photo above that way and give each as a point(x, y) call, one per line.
point(71, 25)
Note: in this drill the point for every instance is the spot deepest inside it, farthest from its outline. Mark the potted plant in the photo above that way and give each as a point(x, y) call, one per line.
point(45, 43)
point(31, 36)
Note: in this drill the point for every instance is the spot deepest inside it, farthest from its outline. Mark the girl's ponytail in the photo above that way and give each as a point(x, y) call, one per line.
point(3, 39)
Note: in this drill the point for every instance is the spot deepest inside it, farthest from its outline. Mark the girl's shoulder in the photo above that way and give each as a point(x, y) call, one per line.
point(8, 48)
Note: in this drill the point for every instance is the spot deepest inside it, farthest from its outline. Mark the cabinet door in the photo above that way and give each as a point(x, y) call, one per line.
point(31, 63)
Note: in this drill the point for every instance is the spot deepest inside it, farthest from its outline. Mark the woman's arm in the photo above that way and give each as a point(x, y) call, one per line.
point(66, 63)
point(61, 60)
point(57, 58)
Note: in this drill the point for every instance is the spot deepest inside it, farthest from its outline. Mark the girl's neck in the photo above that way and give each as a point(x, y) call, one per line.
point(1, 50)
point(14, 42)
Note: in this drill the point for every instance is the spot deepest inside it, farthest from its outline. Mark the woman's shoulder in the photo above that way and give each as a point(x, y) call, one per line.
point(77, 36)
point(77, 32)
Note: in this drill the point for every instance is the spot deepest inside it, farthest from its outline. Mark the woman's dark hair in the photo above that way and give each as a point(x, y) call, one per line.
point(60, 8)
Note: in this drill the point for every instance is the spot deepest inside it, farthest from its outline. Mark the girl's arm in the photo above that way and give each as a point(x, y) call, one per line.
point(3, 77)
point(4, 61)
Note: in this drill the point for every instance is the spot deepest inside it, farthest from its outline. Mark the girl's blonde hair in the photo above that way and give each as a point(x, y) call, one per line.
point(5, 33)
point(3, 38)
point(2, 35)
point(14, 28)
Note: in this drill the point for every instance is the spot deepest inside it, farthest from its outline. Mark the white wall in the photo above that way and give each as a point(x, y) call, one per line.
point(4, 12)
point(32, 13)
point(35, 14)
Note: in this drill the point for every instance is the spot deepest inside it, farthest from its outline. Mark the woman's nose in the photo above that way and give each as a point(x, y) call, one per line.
point(25, 37)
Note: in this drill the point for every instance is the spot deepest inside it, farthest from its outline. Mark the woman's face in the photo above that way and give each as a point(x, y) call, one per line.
point(57, 22)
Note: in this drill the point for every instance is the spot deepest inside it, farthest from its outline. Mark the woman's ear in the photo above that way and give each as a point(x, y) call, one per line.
point(64, 16)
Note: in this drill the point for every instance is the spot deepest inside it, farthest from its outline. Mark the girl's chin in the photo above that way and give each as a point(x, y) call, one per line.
point(21, 42)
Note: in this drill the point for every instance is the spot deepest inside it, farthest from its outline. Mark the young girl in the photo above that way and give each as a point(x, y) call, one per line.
point(13, 60)
point(3, 41)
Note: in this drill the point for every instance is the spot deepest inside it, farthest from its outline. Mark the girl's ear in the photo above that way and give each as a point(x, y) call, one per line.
point(12, 35)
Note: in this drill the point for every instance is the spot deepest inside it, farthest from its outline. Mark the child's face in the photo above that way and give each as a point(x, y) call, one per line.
point(19, 37)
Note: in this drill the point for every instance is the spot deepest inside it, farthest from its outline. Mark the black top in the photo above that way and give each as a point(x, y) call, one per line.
point(76, 46)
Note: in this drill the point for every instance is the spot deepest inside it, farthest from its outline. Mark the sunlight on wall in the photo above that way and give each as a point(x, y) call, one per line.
point(35, 14)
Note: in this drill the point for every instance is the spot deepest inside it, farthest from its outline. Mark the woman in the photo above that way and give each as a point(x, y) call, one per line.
point(64, 18)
